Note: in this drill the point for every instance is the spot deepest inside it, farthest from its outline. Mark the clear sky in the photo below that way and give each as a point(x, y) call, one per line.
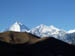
point(60, 13)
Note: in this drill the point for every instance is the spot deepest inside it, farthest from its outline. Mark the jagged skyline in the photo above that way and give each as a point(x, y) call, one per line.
point(44, 31)
point(21, 23)
point(20, 27)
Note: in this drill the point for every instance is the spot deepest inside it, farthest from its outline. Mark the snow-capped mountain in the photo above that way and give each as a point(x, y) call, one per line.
point(71, 31)
point(51, 31)
point(18, 27)
point(47, 31)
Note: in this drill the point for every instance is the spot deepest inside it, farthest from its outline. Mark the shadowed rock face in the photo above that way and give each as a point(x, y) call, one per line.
point(32, 45)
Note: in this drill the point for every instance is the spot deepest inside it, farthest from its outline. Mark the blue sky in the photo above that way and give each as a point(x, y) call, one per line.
point(60, 13)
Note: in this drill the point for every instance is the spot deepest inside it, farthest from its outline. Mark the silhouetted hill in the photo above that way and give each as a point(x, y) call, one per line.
point(42, 47)
point(53, 47)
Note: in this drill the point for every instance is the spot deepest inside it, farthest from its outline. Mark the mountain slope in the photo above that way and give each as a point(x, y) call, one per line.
point(47, 31)
point(71, 31)
point(51, 31)
point(17, 27)
point(47, 47)
point(18, 37)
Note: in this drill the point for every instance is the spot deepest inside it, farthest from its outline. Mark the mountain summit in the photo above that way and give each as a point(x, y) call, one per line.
point(18, 27)
point(47, 31)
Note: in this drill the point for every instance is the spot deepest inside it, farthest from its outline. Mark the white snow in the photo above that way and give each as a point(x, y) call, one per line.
point(18, 27)
point(45, 31)
point(71, 31)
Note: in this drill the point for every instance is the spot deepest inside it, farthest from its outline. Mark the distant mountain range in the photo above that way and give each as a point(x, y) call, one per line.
point(19, 40)
point(45, 31)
